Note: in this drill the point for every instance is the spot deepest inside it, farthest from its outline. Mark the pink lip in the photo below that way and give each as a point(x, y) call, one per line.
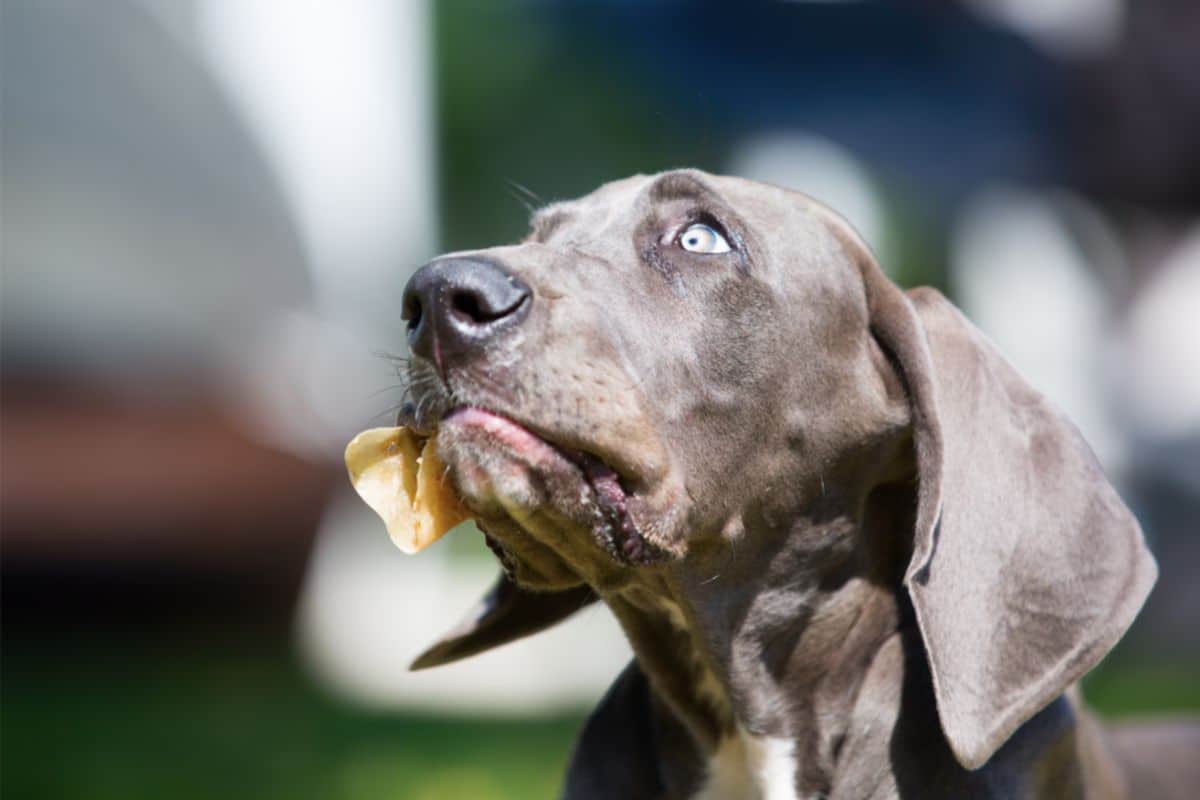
point(506, 432)
point(537, 452)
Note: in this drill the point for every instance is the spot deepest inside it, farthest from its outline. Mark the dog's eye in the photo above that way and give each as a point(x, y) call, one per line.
point(700, 238)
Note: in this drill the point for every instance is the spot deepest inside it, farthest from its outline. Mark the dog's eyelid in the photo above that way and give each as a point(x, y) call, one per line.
point(673, 231)
point(703, 216)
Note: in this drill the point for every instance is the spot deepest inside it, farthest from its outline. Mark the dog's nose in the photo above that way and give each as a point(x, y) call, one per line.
point(456, 305)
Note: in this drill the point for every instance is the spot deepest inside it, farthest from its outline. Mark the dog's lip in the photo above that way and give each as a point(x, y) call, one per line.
point(607, 485)
point(507, 431)
point(519, 433)
point(636, 473)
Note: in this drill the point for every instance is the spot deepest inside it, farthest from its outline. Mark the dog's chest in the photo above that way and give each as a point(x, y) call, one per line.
point(744, 766)
point(747, 767)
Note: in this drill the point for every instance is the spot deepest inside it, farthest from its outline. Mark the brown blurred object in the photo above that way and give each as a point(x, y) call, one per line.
point(103, 484)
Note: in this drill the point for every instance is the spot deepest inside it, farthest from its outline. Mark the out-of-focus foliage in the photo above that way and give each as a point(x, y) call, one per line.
point(518, 102)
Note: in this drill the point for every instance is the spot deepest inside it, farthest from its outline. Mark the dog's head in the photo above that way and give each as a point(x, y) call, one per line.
point(675, 363)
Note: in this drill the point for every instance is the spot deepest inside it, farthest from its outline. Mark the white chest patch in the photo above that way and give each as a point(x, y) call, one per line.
point(744, 767)
point(749, 767)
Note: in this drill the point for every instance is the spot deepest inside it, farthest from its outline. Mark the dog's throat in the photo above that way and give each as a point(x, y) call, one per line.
point(677, 663)
point(736, 763)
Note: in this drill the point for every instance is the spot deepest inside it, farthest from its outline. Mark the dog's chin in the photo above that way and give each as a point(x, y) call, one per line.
point(525, 560)
point(531, 494)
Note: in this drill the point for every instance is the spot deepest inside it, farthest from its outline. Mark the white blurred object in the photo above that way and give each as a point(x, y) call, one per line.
point(822, 169)
point(1162, 346)
point(142, 236)
point(305, 384)
point(1021, 276)
point(368, 610)
point(1070, 28)
point(339, 96)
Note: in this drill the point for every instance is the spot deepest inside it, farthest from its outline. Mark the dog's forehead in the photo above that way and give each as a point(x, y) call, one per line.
point(768, 206)
point(791, 241)
point(640, 190)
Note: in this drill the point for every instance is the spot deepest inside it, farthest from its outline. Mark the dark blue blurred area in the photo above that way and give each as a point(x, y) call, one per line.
point(930, 96)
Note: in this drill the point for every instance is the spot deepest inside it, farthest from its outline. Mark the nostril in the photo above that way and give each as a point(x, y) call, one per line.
point(477, 309)
point(412, 312)
point(466, 303)
point(453, 306)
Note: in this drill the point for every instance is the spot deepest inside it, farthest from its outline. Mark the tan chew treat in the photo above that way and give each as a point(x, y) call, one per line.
point(406, 489)
point(437, 507)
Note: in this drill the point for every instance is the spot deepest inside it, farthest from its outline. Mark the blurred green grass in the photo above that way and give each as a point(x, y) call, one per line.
point(187, 717)
point(109, 720)
point(1126, 689)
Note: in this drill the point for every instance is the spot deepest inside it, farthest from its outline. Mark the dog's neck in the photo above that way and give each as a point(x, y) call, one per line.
point(770, 640)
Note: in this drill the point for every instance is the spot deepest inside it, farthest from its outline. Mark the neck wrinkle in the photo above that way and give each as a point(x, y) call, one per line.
point(776, 645)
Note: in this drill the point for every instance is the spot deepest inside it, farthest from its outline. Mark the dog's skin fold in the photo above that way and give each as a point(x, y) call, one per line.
point(856, 554)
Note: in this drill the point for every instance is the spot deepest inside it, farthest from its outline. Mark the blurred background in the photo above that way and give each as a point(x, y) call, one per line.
point(209, 209)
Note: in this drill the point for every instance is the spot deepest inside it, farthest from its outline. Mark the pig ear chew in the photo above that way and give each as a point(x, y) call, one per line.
point(506, 613)
point(402, 480)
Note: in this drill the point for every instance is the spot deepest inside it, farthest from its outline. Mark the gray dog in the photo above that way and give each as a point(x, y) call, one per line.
point(857, 556)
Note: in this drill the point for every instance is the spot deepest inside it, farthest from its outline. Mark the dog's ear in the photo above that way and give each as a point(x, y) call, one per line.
point(506, 613)
point(1026, 566)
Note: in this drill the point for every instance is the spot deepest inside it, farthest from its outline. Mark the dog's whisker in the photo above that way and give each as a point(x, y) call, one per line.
point(388, 411)
point(529, 207)
point(393, 387)
point(526, 191)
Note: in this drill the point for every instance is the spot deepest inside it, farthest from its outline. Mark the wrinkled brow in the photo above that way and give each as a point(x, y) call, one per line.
point(546, 220)
point(681, 186)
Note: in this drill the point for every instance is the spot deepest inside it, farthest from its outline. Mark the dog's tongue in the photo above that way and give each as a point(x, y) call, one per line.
point(604, 482)
point(613, 500)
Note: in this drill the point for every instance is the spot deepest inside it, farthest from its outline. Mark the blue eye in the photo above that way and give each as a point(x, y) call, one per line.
point(700, 238)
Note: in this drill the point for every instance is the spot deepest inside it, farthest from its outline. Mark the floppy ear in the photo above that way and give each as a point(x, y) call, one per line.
point(1026, 566)
point(506, 613)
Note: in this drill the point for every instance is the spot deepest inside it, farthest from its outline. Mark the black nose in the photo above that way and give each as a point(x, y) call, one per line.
point(456, 305)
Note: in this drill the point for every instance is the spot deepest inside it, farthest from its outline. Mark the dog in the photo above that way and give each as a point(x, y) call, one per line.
point(855, 553)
